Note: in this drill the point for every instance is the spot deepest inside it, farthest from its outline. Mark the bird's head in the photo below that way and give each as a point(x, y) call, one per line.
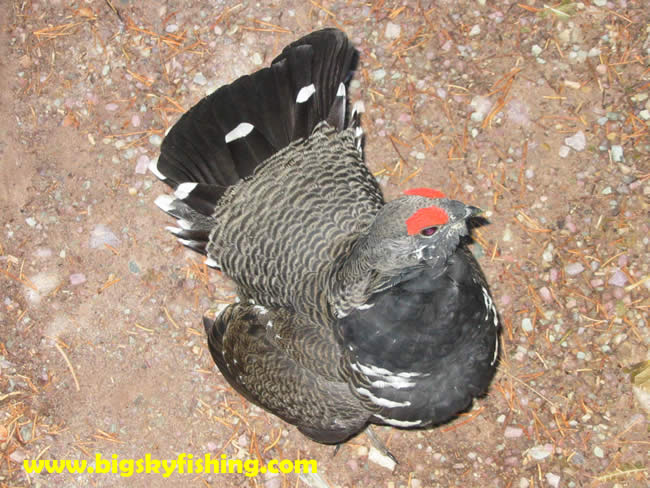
point(422, 227)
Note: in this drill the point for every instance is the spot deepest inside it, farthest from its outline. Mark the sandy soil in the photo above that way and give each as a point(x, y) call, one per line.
point(538, 116)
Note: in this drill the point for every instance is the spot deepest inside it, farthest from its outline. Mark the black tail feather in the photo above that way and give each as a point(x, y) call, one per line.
point(196, 148)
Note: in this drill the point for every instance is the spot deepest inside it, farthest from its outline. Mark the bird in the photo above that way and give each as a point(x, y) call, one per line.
point(350, 310)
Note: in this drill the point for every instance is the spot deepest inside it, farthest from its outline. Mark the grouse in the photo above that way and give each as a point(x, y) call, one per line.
point(350, 310)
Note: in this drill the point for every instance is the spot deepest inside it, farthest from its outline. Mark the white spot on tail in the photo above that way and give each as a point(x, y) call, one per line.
point(242, 130)
point(365, 306)
point(260, 309)
point(399, 423)
point(164, 202)
point(188, 242)
point(305, 93)
point(213, 264)
point(184, 189)
point(358, 107)
point(382, 402)
point(341, 91)
point(174, 230)
point(153, 167)
point(184, 224)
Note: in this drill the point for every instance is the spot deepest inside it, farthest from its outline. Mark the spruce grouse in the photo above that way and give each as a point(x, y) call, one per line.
point(351, 310)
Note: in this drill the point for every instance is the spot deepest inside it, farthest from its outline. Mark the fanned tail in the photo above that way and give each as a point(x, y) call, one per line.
point(224, 137)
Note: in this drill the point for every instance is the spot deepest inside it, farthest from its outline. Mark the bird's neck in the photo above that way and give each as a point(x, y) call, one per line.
point(357, 276)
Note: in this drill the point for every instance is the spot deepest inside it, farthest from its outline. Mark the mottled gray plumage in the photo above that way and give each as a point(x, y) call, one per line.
point(351, 310)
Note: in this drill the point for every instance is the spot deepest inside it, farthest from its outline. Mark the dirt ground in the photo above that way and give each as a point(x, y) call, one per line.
point(538, 115)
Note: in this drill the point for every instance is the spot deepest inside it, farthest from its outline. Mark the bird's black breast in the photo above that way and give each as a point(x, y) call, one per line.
point(435, 335)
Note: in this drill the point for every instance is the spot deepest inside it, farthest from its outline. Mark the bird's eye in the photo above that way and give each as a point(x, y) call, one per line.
point(429, 231)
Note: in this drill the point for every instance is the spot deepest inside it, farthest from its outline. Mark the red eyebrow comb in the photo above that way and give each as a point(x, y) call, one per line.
point(425, 192)
point(426, 217)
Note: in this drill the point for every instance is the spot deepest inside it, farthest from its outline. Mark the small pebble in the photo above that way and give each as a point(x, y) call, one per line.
point(475, 31)
point(540, 452)
point(378, 74)
point(102, 235)
point(553, 480)
point(518, 112)
point(171, 28)
point(527, 325)
point(617, 153)
point(393, 31)
point(564, 151)
point(382, 460)
point(573, 269)
point(200, 79)
point(257, 59)
point(18, 456)
point(155, 140)
point(273, 482)
point(513, 432)
point(111, 107)
point(481, 106)
point(77, 279)
point(577, 459)
point(577, 141)
point(598, 452)
point(44, 282)
point(142, 164)
point(44, 253)
point(31, 221)
point(26, 432)
point(618, 279)
point(545, 293)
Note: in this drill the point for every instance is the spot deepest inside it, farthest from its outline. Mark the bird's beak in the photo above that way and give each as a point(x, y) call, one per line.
point(472, 211)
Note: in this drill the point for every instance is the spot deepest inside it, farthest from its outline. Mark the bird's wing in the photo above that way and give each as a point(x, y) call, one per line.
point(288, 369)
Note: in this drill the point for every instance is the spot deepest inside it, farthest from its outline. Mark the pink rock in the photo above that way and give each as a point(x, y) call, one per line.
point(573, 269)
point(554, 275)
point(77, 279)
point(512, 432)
point(545, 293)
point(142, 165)
point(618, 278)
